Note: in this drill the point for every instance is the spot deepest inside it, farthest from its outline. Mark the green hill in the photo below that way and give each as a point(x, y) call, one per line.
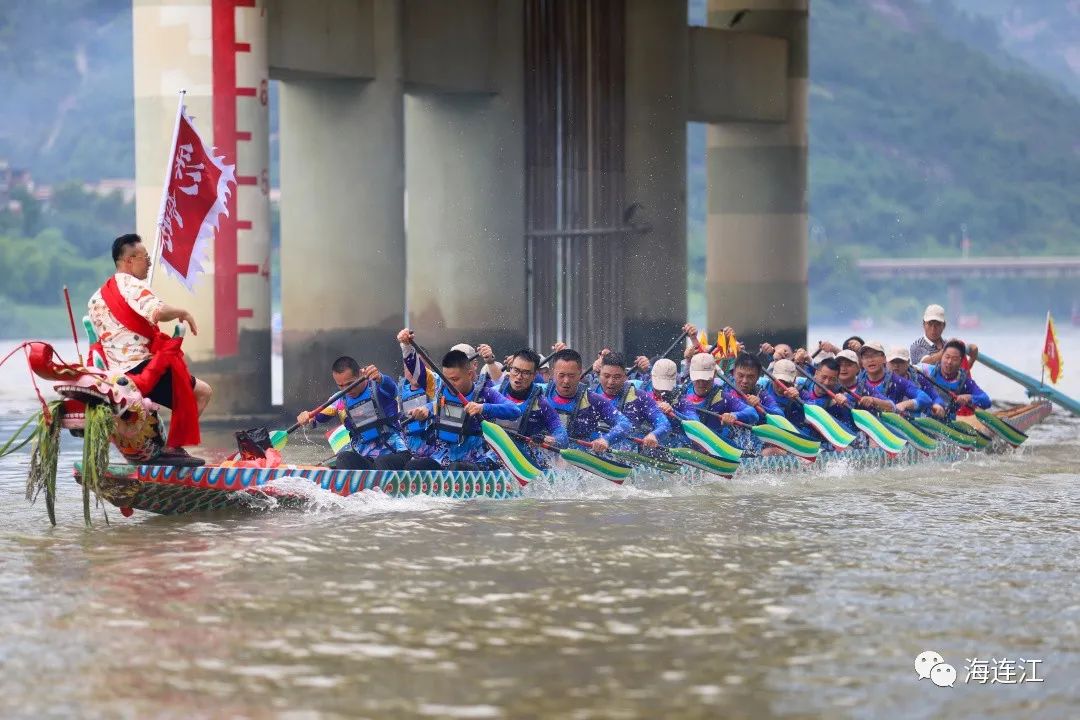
point(1045, 35)
point(66, 74)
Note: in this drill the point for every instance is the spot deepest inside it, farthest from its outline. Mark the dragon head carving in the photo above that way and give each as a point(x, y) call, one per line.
point(138, 433)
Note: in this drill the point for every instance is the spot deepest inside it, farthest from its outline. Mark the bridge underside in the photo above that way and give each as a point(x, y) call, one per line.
point(503, 171)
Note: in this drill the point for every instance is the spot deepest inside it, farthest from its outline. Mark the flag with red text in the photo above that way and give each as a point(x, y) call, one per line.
point(195, 196)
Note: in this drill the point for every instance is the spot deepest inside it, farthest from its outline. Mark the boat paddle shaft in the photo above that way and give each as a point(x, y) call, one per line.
point(781, 383)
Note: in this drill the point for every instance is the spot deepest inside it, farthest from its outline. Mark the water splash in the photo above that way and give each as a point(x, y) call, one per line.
point(295, 490)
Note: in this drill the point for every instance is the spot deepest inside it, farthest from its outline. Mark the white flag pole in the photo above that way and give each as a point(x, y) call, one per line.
point(156, 257)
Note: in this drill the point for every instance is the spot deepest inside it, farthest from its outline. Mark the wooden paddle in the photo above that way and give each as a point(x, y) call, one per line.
point(545, 360)
point(279, 438)
point(772, 418)
point(497, 438)
point(681, 337)
point(793, 443)
point(664, 461)
point(1011, 435)
point(873, 428)
point(606, 468)
point(678, 457)
point(818, 418)
point(897, 422)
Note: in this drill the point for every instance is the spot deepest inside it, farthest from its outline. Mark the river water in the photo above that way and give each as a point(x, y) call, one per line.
point(762, 597)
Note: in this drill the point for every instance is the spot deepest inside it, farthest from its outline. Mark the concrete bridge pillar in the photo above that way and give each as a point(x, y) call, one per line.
point(757, 211)
point(464, 169)
point(342, 186)
point(217, 51)
point(654, 263)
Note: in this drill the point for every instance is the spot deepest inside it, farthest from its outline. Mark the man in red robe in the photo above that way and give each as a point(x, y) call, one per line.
point(125, 313)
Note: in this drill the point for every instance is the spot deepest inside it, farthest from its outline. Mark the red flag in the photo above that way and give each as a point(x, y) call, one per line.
point(1051, 356)
point(195, 195)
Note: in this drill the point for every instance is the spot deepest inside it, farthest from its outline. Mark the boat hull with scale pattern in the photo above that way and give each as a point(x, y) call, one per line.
point(168, 490)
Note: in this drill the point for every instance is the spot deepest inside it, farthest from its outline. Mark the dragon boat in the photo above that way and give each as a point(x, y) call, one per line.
point(169, 490)
point(106, 409)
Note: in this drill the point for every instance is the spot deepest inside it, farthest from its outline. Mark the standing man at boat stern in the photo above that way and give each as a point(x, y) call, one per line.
point(125, 313)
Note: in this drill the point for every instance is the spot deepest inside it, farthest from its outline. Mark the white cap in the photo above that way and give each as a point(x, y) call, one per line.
point(469, 350)
point(874, 345)
point(664, 373)
point(702, 367)
point(848, 355)
point(934, 312)
point(824, 356)
point(898, 353)
point(785, 370)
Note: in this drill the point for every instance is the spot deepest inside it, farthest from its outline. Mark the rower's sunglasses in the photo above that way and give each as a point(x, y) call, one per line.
point(521, 372)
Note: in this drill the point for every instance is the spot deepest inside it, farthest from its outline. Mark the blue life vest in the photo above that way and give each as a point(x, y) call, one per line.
point(452, 425)
point(954, 385)
point(527, 406)
point(629, 394)
point(568, 412)
point(709, 400)
point(862, 384)
point(920, 381)
point(410, 399)
point(365, 418)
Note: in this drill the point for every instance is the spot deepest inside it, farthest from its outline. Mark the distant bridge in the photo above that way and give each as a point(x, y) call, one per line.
point(955, 269)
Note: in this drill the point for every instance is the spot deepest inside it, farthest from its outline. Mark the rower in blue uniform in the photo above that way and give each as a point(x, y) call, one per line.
point(899, 364)
point(584, 414)
point(881, 389)
point(638, 406)
point(416, 388)
point(708, 393)
point(538, 417)
point(745, 375)
point(949, 372)
point(459, 441)
point(369, 412)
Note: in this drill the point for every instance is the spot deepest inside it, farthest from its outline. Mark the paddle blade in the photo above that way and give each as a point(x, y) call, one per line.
point(509, 454)
point(791, 442)
point(1010, 434)
point(703, 461)
point(278, 439)
point(879, 434)
point(338, 438)
point(709, 441)
point(901, 426)
point(981, 442)
point(634, 458)
point(611, 470)
point(941, 430)
point(820, 419)
point(781, 422)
